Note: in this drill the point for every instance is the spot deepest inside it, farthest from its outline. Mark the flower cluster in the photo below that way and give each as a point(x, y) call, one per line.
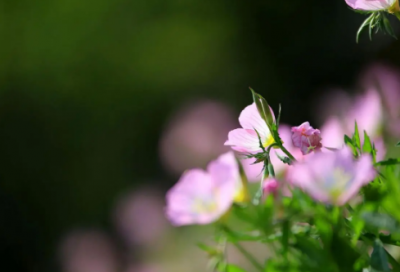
point(202, 197)
point(303, 180)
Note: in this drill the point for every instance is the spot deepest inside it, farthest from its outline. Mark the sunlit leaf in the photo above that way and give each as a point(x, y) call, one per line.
point(234, 268)
point(367, 146)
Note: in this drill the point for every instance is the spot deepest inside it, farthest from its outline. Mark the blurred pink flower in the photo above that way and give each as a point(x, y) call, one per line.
point(333, 177)
point(253, 171)
point(88, 251)
point(332, 133)
point(195, 135)
point(386, 79)
point(202, 197)
point(135, 228)
point(270, 186)
point(245, 139)
point(306, 138)
point(371, 4)
point(367, 111)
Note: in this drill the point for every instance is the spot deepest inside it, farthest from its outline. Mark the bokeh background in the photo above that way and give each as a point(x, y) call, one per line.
point(104, 103)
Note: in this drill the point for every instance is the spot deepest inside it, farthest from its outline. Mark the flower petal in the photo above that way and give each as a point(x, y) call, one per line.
point(244, 140)
point(370, 4)
point(250, 119)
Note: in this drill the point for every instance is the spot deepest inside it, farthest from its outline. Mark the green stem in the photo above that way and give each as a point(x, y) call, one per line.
point(249, 257)
point(287, 153)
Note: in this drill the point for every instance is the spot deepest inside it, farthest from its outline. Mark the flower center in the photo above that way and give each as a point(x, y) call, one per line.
point(201, 205)
point(338, 182)
point(269, 141)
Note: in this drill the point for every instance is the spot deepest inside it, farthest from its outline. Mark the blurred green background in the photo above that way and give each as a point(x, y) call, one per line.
point(87, 87)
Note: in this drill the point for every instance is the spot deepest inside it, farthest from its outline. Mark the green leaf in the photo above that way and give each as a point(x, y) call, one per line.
point(271, 170)
point(279, 116)
point(379, 258)
point(356, 137)
point(387, 26)
point(393, 262)
point(210, 250)
point(363, 25)
point(349, 142)
point(284, 159)
point(367, 147)
point(264, 109)
point(388, 162)
point(234, 268)
point(398, 144)
point(235, 236)
point(285, 236)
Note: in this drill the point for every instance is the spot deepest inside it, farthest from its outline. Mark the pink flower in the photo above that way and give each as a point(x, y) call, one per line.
point(245, 139)
point(372, 5)
point(202, 197)
point(333, 177)
point(387, 80)
point(270, 186)
point(367, 111)
point(332, 133)
point(306, 138)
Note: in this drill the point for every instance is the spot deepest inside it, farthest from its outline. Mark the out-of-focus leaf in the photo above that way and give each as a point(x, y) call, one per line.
point(271, 170)
point(284, 159)
point(388, 162)
point(349, 142)
point(234, 268)
point(285, 236)
point(398, 144)
point(381, 221)
point(235, 236)
point(386, 239)
point(367, 147)
point(393, 262)
point(356, 137)
point(387, 27)
point(345, 256)
point(210, 250)
point(379, 258)
point(375, 190)
point(324, 230)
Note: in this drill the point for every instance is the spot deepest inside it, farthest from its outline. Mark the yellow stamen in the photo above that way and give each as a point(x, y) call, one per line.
point(269, 141)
